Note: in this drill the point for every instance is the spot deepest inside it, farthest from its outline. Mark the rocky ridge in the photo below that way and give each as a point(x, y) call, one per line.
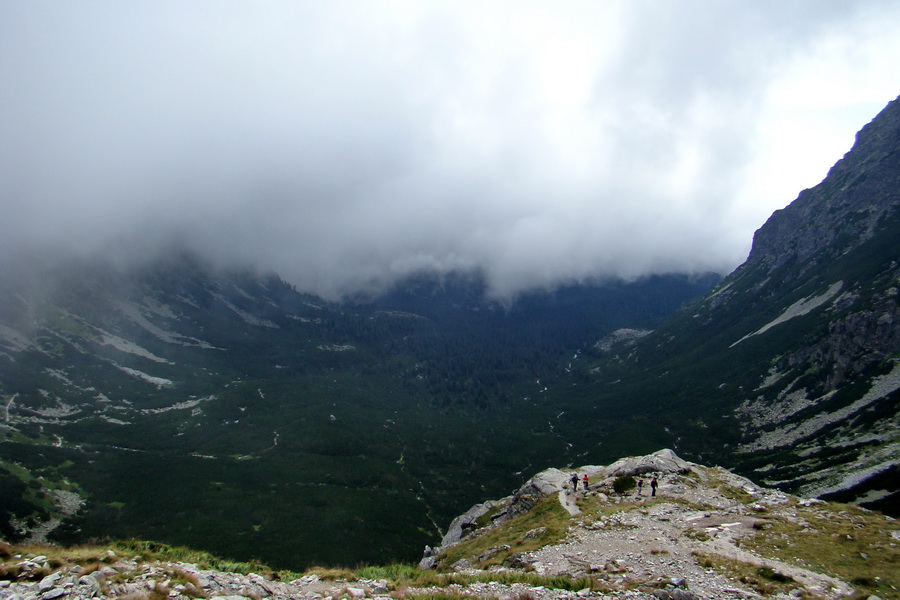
point(704, 533)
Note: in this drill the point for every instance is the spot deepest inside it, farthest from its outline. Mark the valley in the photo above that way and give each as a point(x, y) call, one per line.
point(223, 409)
point(185, 403)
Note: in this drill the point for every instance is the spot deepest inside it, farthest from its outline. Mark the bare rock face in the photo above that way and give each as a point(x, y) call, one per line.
point(846, 208)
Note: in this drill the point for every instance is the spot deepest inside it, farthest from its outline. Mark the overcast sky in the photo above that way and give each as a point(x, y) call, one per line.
point(346, 143)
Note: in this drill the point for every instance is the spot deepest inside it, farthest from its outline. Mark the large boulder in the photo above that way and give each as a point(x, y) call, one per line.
point(663, 461)
point(547, 482)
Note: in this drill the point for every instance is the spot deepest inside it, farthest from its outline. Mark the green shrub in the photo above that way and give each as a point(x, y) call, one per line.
point(622, 484)
point(773, 575)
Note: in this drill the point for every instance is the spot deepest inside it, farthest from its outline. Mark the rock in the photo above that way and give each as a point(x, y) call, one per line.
point(615, 567)
point(461, 565)
point(53, 593)
point(549, 481)
point(456, 530)
point(518, 561)
point(534, 533)
point(491, 552)
point(676, 594)
point(49, 581)
point(663, 461)
point(356, 592)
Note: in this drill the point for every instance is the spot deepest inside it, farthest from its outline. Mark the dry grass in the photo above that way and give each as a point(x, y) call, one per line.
point(762, 580)
point(839, 540)
point(332, 574)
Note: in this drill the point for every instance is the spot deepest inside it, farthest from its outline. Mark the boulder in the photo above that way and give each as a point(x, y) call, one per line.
point(49, 581)
point(492, 552)
point(465, 523)
point(663, 461)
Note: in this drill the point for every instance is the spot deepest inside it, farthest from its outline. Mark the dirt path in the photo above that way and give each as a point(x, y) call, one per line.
point(569, 503)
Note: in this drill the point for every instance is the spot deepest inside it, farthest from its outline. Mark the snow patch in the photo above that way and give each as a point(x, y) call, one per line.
point(177, 406)
point(157, 381)
point(15, 340)
point(133, 312)
point(245, 316)
point(797, 309)
point(619, 335)
point(128, 347)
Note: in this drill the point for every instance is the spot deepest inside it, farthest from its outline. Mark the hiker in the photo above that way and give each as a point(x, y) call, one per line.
point(584, 480)
point(653, 484)
point(574, 481)
point(640, 486)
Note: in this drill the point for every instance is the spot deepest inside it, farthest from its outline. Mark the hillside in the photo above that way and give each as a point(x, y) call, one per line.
point(706, 534)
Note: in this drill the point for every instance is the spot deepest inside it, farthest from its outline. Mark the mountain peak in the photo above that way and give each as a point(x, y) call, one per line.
point(860, 191)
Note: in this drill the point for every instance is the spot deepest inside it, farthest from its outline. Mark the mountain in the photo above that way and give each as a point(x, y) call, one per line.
point(226, 411)
point(703, 532)
point(788, 370)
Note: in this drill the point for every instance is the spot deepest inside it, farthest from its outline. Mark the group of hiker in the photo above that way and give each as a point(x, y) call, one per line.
point(654, 483)
point(575, 481)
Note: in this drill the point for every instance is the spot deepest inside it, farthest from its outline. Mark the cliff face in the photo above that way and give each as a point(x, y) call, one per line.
point(845, 210)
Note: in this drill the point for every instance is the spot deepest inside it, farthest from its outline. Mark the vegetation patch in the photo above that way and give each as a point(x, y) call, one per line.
point(623, 484)
point(839, 540)
point(763, 580)
point(548, 516)
point(155, 551)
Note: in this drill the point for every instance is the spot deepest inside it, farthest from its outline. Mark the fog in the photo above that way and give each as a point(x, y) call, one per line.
point(346, 144)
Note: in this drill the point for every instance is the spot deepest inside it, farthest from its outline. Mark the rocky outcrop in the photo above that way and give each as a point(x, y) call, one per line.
point(707, 533)
point(663, 461)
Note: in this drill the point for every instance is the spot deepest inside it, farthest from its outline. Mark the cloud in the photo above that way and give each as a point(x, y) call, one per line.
point(346, 144)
